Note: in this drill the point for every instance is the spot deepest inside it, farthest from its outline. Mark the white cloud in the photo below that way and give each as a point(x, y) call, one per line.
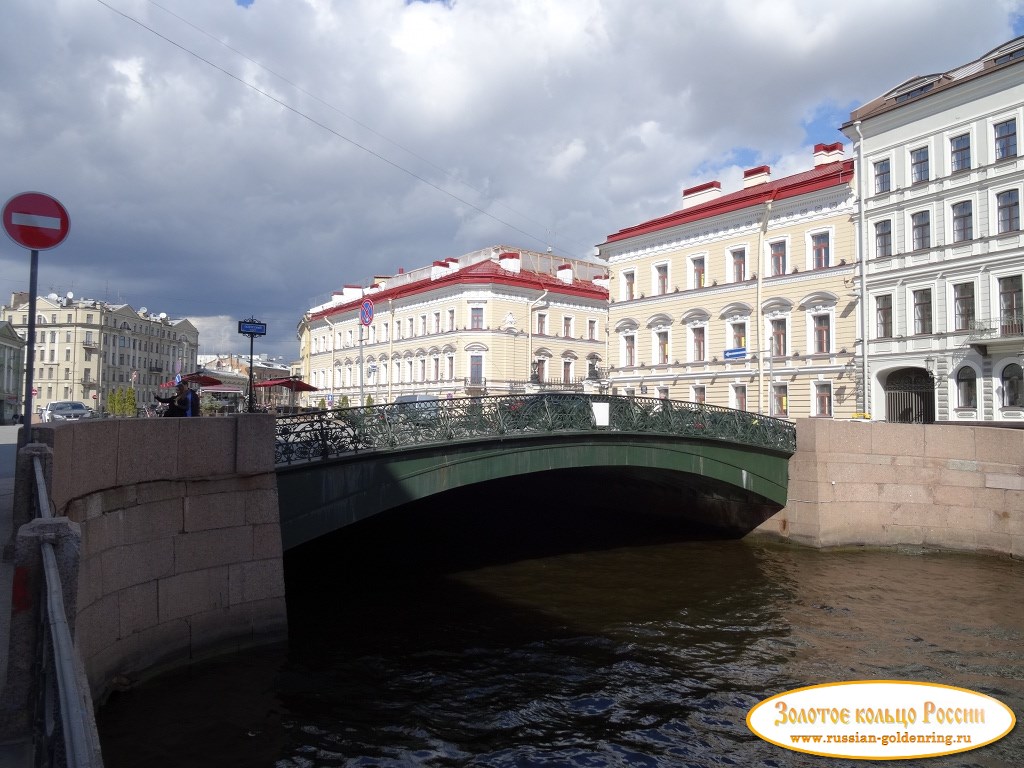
point(192, 192)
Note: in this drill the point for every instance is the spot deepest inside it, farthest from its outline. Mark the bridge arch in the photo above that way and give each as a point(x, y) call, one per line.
point(723, 487)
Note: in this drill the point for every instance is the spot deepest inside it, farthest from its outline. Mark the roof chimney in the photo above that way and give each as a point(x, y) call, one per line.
point(827, 153)
point(760, 175)
point(510, 262)
point(438, 269)
point(702, 193)
point(565, 274)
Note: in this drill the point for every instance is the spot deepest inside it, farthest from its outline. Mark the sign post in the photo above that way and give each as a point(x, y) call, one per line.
point(365, 318)
point(251, 328)
point(37, 222)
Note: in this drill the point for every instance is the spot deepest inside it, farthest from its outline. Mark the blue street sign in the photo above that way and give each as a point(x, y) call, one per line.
point(252, 328)
point(736, 353)
point(366, 312)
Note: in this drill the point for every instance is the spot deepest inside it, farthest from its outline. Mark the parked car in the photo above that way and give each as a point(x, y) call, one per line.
point(415, 408)
point(66, 410)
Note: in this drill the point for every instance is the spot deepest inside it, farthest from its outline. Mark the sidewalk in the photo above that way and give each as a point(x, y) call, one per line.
point(17, 754)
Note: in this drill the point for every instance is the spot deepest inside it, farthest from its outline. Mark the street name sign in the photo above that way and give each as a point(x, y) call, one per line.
point(736, 353)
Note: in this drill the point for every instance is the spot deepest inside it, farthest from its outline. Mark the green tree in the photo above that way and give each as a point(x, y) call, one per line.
point(344, 401)
point(322, 405)
point(369, 400)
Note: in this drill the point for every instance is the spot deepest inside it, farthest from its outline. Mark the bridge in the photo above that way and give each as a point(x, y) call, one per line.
point(701, 467)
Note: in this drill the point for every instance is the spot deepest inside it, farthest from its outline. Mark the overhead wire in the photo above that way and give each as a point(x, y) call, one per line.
point(295, 110)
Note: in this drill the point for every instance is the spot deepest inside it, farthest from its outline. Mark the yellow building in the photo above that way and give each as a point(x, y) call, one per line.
point(483, 323)
point(746, 300)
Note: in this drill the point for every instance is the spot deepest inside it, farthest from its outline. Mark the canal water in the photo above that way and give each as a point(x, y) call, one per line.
point(416, 643)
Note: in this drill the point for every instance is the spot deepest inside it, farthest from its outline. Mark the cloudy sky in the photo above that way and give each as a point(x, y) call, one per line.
point(222, 159)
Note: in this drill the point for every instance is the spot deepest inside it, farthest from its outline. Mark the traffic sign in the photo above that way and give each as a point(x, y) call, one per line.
point(36, 221)
point(366, 312)
point(252, 328)
point(34, 391)
point(736, 353)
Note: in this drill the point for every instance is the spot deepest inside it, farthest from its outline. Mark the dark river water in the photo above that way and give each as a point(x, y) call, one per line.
point(439, 650)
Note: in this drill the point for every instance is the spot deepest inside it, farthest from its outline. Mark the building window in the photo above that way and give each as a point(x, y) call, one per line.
point(963, 228)
point(542, 324)
point(476, 369)
point(628, 286)
point(451, 319)
point(923, 311)
point(778, 257)
point(919, 165)
point(698, 271)
point(966, 388)
point(423, 325)
point(698, 345)
point(1011, 306)
point(567, 327)
point(661, 341)
point(567, 371)
point(592, 329)
point(699, 394)
point(823, 398)
point(661, 277)
point(882, 177)
point(920, 224)
point(437, 322)
point(883, 239)
point(779, 337)
point(739, 265)
point(960, 153)
point(822, 334)
point(963, 306)
point(542, 369)
point(739, 397)
point(630, 350)
point(820, 250)
point(1008, 210)
point(1006, 139)
point(1013, 386)
point(739, 335)
point(780, 400)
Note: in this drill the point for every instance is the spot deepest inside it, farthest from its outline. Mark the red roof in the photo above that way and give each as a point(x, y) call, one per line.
point(821, 177)
point(485, 272)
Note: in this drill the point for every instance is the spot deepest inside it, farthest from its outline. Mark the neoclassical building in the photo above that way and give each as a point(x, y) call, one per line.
point(745, 299)
point(85, 349)
point(482, 323)
point(941, 180)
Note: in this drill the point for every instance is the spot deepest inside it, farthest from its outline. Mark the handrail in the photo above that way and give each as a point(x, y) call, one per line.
point(80, 737)
point(327, 434)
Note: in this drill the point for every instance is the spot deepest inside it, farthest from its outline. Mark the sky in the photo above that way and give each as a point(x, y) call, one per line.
point(228, 159)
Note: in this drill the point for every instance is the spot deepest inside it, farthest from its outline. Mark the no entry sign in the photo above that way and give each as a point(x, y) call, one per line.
point(36, 221)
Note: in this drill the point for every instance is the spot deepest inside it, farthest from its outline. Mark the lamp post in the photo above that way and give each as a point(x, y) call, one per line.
point(251, 328)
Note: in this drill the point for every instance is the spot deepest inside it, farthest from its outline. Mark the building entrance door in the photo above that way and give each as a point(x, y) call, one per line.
point(910, 397)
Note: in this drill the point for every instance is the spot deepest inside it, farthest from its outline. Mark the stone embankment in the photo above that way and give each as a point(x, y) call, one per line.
point(877, 484)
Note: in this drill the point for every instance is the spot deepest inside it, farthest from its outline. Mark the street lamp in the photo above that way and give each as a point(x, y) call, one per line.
point(251, 328)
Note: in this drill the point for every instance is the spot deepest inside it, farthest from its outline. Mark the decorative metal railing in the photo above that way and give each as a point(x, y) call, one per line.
point(326, 434)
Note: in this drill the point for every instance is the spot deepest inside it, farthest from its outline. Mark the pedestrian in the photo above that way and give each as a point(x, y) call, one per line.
point(184, 402)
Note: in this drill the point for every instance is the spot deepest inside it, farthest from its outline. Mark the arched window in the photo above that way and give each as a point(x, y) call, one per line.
point(1013, 386)
point(966, 388)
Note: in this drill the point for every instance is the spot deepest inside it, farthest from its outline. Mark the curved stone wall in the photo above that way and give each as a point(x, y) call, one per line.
point(181, 544)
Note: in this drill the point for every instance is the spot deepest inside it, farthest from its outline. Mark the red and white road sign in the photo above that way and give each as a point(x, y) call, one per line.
point(36, 221)
point(34, 391)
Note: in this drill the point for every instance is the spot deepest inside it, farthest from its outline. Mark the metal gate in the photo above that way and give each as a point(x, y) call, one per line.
point(910, 397)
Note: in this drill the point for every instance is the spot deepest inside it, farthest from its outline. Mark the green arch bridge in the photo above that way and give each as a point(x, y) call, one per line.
point(703, 467)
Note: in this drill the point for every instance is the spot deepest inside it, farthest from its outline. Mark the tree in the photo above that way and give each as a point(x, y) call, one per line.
point(344, 401)
point(369, 400)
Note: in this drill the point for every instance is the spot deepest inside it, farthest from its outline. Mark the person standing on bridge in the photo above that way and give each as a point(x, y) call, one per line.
point(184, 402)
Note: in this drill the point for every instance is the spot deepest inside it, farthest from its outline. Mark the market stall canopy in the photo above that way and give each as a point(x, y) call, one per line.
point(295, 385)
point(197, 377)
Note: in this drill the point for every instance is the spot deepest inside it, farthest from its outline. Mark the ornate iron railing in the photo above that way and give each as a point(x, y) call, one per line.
point(326, 434)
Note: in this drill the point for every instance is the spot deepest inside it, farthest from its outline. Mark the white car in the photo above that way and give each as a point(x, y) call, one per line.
point(65, 410)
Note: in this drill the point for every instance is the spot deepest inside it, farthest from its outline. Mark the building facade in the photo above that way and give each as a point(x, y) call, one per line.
point(12, 372)
point(484, 323)
point(87, 349)
point(742, 300)
point(941, 184)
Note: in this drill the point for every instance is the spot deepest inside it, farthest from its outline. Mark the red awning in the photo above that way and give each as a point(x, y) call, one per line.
point(295, 385)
